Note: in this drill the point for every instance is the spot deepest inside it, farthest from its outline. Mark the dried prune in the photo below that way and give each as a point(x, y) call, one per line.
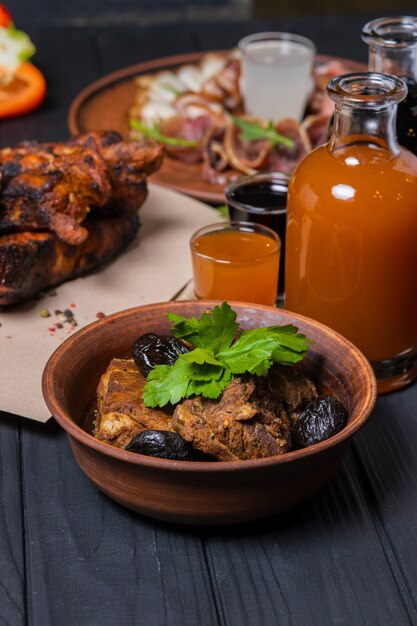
point(151, 349)
point(162, 444)
point(322, 418)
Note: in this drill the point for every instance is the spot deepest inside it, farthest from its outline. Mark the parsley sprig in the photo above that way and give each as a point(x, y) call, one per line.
point(252, 130)
point(153, 133)
point(219, 355)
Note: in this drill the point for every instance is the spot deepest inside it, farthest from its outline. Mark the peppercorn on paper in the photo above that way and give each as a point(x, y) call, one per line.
point(155, 268)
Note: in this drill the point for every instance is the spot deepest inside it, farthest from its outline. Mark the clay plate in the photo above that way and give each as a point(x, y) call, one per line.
point(104, 105)
point(202, 492)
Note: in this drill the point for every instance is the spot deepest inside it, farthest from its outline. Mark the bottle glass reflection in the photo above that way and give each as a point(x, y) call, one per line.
point(393, 50)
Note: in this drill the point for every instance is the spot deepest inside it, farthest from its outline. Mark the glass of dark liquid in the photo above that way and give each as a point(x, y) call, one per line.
point(262, 198)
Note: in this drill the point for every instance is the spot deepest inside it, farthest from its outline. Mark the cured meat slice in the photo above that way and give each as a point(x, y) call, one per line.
point(283, 159)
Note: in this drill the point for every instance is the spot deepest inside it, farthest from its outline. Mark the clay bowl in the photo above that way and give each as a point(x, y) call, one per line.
point(203, 492)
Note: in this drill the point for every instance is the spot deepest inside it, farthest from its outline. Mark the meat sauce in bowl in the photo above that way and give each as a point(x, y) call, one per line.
point(254, 417)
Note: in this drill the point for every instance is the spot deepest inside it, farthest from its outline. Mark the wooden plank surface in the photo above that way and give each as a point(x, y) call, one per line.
point(335, 36)
point(347, 556)
point(387, 457)
point(92, 562)
point(323, 563)
point(128, 46)
point(12, 550)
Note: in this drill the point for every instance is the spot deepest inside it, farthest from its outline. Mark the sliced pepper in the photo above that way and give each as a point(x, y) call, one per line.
point(5, 17)
point(24, 93)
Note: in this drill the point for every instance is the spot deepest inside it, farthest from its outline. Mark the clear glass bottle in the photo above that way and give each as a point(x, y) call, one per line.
point(393, 50)
point(351, 255)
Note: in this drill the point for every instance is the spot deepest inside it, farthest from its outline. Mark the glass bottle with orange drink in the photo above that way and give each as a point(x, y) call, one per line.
point(351, 258)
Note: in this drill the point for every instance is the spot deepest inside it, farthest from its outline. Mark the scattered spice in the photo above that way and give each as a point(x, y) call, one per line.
point(62, 318)
point(45, 313)
point(72, 305)
point(100, 315)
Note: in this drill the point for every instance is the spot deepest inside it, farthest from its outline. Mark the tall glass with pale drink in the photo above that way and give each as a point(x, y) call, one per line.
point(277, 74)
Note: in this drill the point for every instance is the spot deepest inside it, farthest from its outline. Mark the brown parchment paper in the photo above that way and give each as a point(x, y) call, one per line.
point(155, 268)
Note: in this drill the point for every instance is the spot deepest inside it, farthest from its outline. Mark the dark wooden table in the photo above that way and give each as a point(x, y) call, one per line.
point(70, 556)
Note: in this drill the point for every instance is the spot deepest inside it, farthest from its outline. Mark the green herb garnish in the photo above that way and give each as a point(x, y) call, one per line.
point(153, 133)
point(218, 356)
point(253, 130)
point(223, 209)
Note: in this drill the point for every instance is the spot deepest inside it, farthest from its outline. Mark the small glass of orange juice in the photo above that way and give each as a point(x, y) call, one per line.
point(236, 261)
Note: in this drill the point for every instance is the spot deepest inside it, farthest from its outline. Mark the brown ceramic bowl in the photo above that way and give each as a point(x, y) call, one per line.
point(203, 492)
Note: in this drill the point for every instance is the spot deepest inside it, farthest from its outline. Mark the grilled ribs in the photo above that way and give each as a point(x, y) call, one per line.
point(66, 207)
point(54, 186)
point(34, 261)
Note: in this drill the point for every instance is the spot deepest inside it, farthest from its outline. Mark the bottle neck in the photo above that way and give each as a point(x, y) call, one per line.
point(376, 128)
point(366, 112)
point(393, 60)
